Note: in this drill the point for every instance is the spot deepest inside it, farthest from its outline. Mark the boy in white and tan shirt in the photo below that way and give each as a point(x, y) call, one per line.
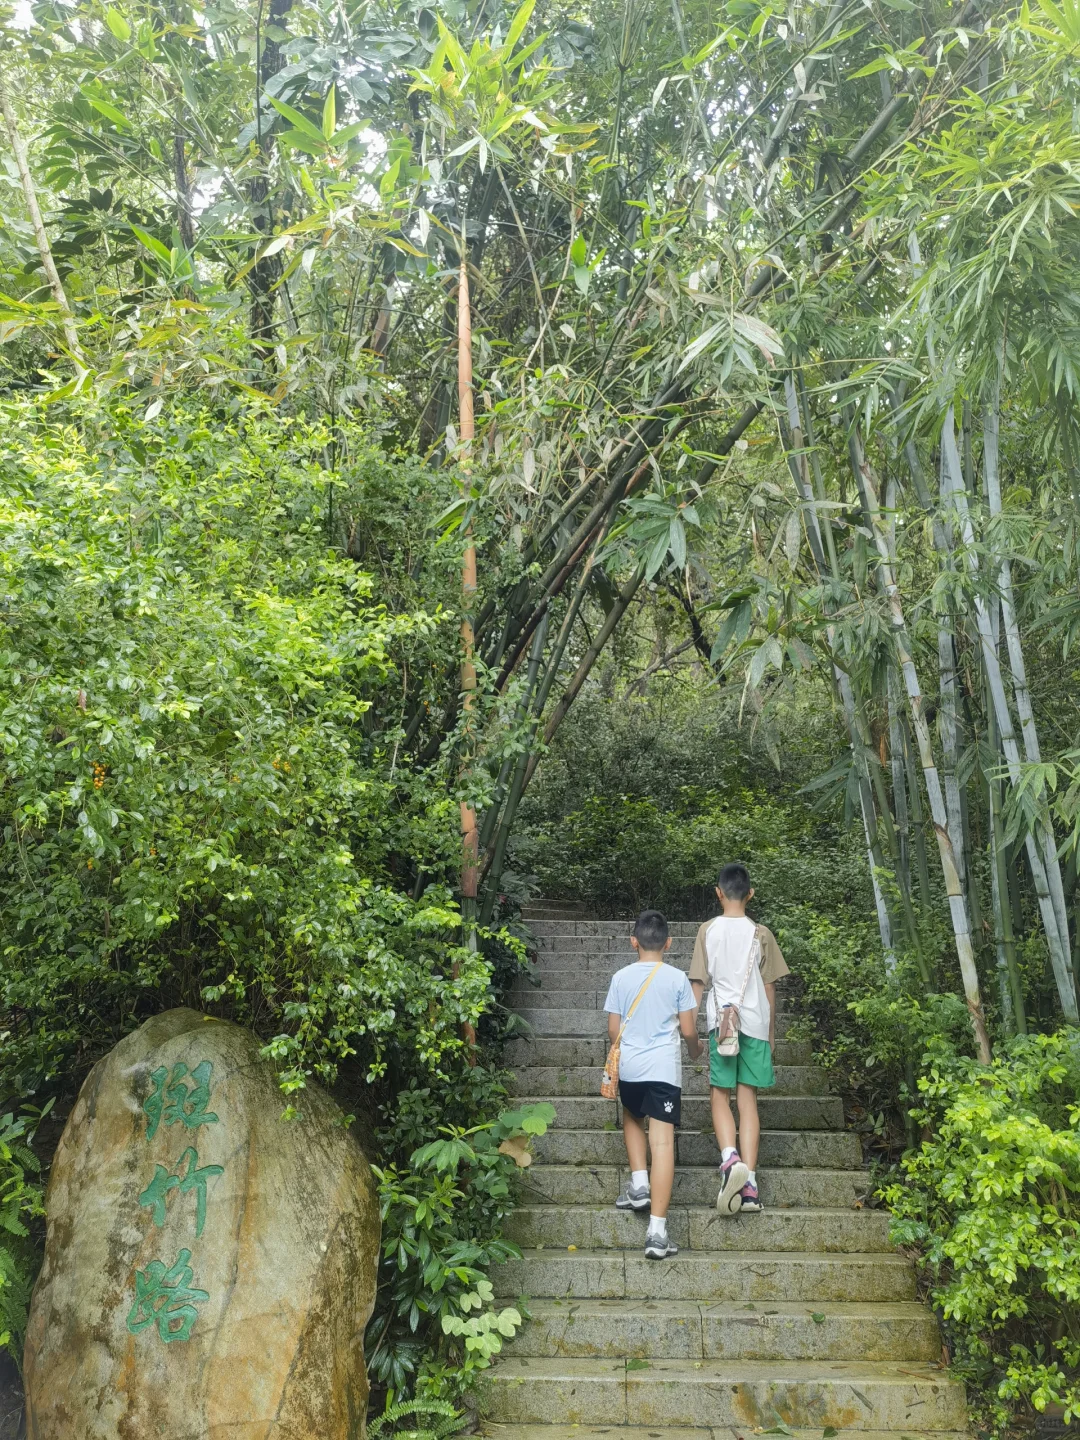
point(739, 962)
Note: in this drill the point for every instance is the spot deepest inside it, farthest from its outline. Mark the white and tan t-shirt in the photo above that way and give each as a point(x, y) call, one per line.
point(721, 959)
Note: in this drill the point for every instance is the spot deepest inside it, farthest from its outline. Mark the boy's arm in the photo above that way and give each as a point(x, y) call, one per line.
point(688, 1028)
point(699, 966)
point(614, 1021)
point(770, 994)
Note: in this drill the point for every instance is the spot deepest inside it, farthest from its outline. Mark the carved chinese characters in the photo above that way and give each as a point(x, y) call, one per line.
point(209, 1267)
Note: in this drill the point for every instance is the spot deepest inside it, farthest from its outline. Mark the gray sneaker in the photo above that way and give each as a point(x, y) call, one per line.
point(659, 1247)
point(634, 1198)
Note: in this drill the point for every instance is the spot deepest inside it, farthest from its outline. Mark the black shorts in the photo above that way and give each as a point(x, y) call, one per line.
point(652, 1098)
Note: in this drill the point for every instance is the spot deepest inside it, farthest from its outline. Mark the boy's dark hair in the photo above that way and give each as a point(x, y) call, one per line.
point(734, 880)
point(651, 930)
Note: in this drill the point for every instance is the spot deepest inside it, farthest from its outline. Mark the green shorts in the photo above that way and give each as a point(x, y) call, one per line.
point(751, 1066)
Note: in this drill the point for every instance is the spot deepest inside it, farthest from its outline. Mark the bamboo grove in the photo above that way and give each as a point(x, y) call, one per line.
point(767, 314)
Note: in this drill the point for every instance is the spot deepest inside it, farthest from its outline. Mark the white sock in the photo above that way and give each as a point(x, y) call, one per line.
point(658, 1226)
point(726, 1153)
point(639, 1179)
point(751, 1179)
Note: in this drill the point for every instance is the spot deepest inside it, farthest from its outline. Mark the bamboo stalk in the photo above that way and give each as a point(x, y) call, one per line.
point(958, 912)
point(29, 189)
point(1060, 958)
point(1015, 649)
point(1012, 989)
point(470, 840)
point(466, 435)
point(853, 718)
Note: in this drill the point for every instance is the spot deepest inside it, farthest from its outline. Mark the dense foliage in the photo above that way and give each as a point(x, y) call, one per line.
point(991, 1201)
point(770, 319)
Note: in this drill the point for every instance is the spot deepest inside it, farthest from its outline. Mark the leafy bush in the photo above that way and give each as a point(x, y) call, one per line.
point(442, 1216)
point(20, 1203)
point(197, 733)
point(992, 1204)
point(627, 852)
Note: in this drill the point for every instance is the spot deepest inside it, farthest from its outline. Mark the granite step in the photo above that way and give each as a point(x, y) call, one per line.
point(688, 1330)
point(575, 994)
point(593, 1023)
point(576, 1051)
point(818, 1149)
point(559, 926)
point(749, 1394)
point(602, 1227)
point(777, 1112)
point(496, 1431)
point(696, 1185)
point(701, 1275)
point(555, 1081)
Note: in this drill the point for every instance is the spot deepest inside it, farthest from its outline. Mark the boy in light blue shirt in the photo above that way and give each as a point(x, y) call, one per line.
point(650, 1070)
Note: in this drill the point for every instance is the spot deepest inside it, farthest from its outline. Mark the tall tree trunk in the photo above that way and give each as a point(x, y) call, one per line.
point(29, 189)
point(958, 911)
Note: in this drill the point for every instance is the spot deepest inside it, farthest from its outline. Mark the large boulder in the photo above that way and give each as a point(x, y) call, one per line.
point(209, 1267)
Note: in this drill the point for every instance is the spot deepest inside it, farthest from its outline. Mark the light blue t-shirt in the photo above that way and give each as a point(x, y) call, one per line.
point(651, 1047)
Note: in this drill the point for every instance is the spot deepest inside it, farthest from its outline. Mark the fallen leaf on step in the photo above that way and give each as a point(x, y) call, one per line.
point(817, 1317)
point(571, 1247)
point(637, 1365)
point(518, 1148)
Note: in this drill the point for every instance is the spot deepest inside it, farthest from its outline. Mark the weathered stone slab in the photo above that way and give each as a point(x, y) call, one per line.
point(696, 1185)
point(592, 1022)
point(697, 1275)
point(820, 1149)
point(581, 1051)
point(554, 1081)
point(602, 1227)
point(209, 1268)
point(750, 1395)
point(685, 1329)
point(777, 1112)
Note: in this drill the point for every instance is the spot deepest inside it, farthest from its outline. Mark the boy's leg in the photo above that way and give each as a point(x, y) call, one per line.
point(749, 1125)
point(662, 1173)
point(723, 1120)
point(635, 1193)
point(633, 1131)
point(755, 1073)
point(733, 1169)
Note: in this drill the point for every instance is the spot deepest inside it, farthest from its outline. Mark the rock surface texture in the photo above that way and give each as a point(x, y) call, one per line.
point(802, 1315)
point(209, 1268)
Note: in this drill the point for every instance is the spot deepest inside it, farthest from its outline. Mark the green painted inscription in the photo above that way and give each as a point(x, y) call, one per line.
point(179, 1097)
point(166, 1298)
point(195, 1179)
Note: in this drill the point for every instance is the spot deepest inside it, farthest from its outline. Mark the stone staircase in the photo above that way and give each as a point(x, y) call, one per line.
point(801, 1317)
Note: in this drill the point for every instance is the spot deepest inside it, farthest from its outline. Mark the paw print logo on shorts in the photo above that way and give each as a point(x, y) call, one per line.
point(669, 1106)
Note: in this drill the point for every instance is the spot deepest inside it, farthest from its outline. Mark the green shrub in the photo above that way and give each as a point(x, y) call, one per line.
point(435, 1322)
point(992, 1203)
point(20, 1205)
point(198, 717)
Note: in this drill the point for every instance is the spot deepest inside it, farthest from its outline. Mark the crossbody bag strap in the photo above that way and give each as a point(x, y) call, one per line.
point(637, 1000)
point(755, 955)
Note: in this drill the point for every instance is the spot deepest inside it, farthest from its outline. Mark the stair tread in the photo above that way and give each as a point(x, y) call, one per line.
point(708, 1371)
point(602, 1307)
point(760, 1309)
point(499, 1431)
point(747, 1258)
